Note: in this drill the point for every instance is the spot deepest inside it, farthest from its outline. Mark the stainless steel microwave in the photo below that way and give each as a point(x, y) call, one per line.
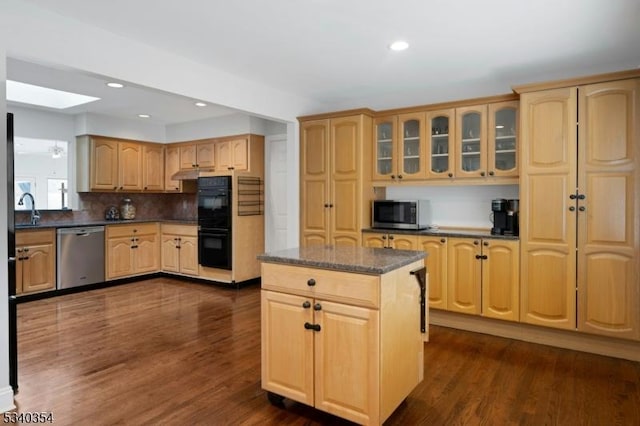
point(400, 214)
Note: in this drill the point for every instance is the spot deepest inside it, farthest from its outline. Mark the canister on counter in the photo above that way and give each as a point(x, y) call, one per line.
point(127, 209)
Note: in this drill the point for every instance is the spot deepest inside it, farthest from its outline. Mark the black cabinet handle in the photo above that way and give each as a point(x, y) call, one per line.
point(306, 304)
point(450, 175)
point(581, 197)
point(483, 257)
point(326, 205)
point(486, 243)
point(314, 327)
point(442, 240)
point(399, 176)
point(572, 209)
point(391, 237)
point(482, 174)
point(311, 282)
point(582, 208)
point(573, 196)
point(393, 176)
point(476, 242)
point(491, 173)
point(317, 307)
point(330, 206)
point(384, 237)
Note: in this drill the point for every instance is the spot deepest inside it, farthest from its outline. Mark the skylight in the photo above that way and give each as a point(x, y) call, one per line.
point(43, 96)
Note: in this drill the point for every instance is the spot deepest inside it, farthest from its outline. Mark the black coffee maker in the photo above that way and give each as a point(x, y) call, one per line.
point(505, 216)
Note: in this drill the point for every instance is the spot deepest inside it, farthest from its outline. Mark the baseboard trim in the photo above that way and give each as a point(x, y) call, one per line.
point(6, 399)
point(616, 348)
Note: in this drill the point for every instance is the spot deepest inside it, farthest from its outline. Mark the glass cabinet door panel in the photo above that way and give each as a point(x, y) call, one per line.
point(503, 139)
point(440, 125)
point(384, 148)
point(411, 146)
point(472, 140)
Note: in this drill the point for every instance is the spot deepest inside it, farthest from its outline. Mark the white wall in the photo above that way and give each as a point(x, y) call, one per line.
point(233, 124)
point(465, 206)
point(103, 125)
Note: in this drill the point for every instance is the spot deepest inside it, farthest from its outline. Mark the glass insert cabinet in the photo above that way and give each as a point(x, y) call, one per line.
point(479, 141)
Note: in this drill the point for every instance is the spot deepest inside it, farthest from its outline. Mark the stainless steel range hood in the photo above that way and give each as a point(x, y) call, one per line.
point(186, 175)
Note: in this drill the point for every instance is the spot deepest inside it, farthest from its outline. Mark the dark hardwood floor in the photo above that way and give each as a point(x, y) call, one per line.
point(163, 351)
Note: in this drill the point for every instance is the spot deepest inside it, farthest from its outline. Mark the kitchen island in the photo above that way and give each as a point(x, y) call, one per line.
point(341, 328)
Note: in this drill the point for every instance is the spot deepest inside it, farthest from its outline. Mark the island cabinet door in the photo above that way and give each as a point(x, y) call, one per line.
point(346, 361)
point(287, 346)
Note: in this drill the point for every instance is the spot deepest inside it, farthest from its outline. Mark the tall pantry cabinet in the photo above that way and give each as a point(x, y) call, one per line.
point(335, 159)
point(579, 212)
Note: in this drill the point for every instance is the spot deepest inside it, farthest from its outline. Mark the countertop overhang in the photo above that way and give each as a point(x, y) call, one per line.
point(364, 260)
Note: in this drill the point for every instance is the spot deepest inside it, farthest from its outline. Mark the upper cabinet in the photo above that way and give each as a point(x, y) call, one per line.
point(106, 164)
point(478, 142)
point(153, 167)
point(242, 153)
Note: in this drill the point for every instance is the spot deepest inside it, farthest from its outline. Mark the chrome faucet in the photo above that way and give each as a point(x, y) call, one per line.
point(35, 214)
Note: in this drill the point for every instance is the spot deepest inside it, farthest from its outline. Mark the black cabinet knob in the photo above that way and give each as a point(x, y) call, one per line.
point(391, 237)
point(572, 209)
point(581, 197)
point(393, 176)
point(476, 242)
point(491, 173)
point(582, 208)
point(573, 196)
point(311, 282)
point(314, 327)
point(399, 176)
point(317, 307)
point(450, 175)
point(482, 174)
point(306, 304)
point(384, 237)
point(442, 240)
point(486, 243)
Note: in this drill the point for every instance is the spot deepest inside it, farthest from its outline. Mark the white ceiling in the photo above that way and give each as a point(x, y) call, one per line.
point(335, 51)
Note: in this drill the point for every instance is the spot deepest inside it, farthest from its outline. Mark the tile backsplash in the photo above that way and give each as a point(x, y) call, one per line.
point(93, 206)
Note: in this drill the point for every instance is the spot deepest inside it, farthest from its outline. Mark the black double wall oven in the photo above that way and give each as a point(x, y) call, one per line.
point(214, 221)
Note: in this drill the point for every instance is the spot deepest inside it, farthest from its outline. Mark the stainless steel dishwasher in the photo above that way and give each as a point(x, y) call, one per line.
point(80, 256)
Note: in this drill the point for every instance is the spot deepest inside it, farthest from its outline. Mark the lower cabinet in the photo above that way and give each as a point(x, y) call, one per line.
point(338, 345)
point(436, 263)
point(35, 260)
point(132, 249)
point(393, 241)
point(179, 247)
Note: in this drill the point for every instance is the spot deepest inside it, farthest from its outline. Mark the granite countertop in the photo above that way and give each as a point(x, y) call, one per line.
point(447, 232)
point(372, 261)
point(72, 224)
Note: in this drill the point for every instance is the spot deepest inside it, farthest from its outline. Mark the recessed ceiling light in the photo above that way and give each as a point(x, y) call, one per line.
point(115, 85)
point(200, 104)
point(43, 96)
point(144, 116)
point(399, 45)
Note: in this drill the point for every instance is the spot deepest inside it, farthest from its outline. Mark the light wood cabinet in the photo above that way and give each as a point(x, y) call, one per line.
point(132, 249)
point(35, 261)
point(104, 164)
point(188, 156)
point(400, 149)
point(197, 155)
point(332, 328)
point(464, 279)
point(153, 167)
point(232, 154)
point(334, 193)
point(441, 151)
point(584, 204)
point(436, 262)
point(501, 279)
point(179, 248)
point(171, 167)
point(392, 241)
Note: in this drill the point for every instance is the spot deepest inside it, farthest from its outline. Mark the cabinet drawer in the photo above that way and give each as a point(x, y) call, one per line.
point(30, 237)
point(345, 287)
point(130, 229)
point(184, 230)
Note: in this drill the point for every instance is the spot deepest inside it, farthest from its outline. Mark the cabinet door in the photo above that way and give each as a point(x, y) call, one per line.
point(464, 275)
point(345, 141)
point(170, 253)
point(147, 253)
point(436, 263)
point(374, 240)
point(441, 151)
point(19, 269)
point(287, 347)
point(547, 222)
point(608, 227)
point(385, 151)
point(346, 366)
point(471, 141)
point(172, 166)
point(314, 172)
point(502, 148)
point(501, 279)
point(189, 255)
point(411, 147)
point(240, 154)
point(188, 158)
point(104, 164)
point(403, 242)
point(130, 166)
point(153, 167)
point(119, 257)
point(205, 155)
point(223, 155)
point(38, 266)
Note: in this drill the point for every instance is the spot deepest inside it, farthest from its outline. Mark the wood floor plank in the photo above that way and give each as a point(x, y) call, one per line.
point(164, 351)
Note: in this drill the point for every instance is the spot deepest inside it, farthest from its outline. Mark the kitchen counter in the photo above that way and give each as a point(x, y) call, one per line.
point(73, 224)
point(364, 260)
point(446, 232)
